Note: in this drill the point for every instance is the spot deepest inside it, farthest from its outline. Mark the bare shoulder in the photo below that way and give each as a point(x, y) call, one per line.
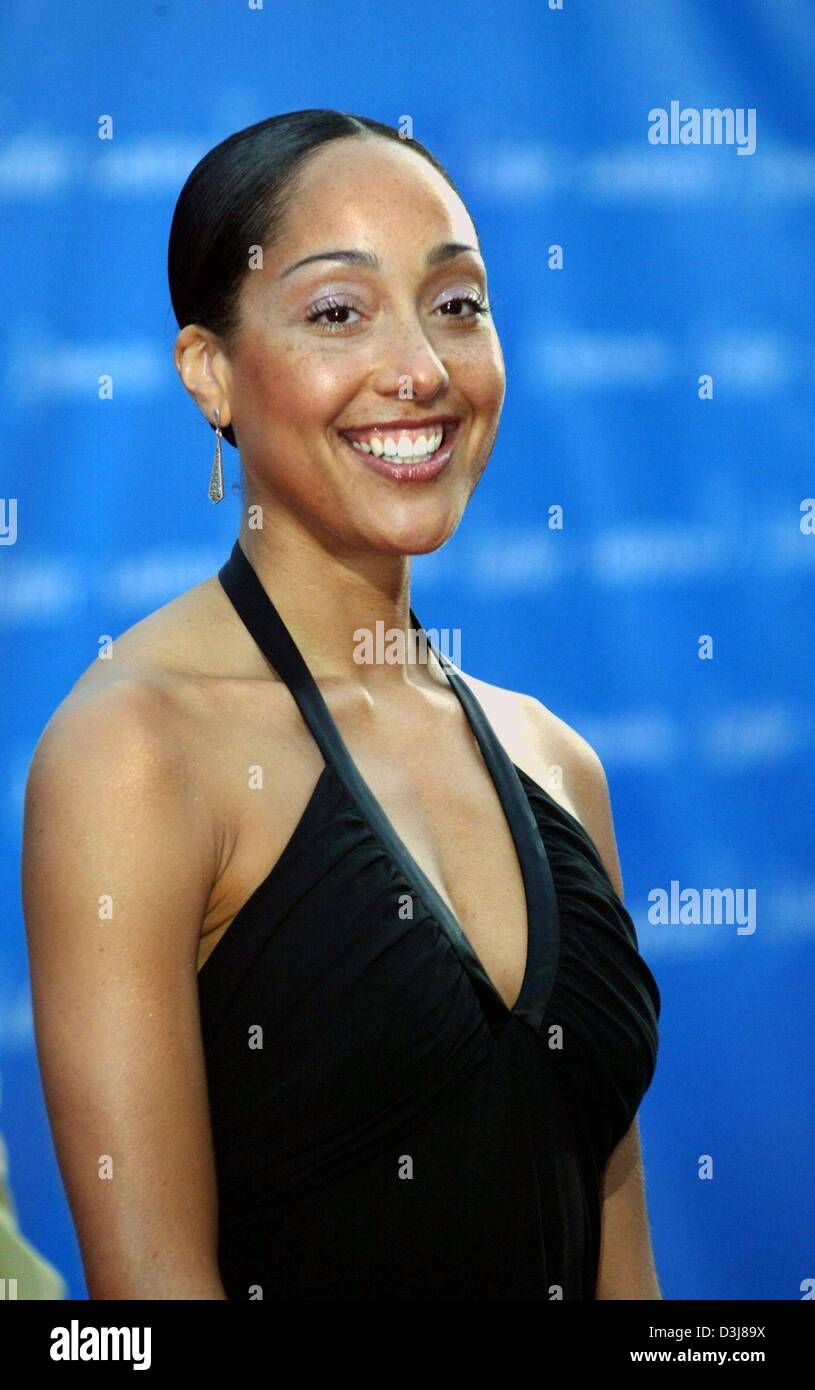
point(120, 704)
point(181, 638)
point(542, 743)
point(113, 801)
point(111, 780)
point(147, 742)
point(129, 718)
point(127, 722)
point(154, 680)
point(559, 759)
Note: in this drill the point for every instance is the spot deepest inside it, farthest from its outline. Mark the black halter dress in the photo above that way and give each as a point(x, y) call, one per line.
point(384, 1125)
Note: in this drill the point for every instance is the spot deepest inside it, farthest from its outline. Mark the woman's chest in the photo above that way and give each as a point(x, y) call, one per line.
point(425, 784)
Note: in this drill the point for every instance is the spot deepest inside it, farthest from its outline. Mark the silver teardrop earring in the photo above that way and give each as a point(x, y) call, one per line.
point(216, 477)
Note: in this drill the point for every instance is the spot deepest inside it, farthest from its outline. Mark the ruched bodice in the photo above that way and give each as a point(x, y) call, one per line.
point(384, 1125)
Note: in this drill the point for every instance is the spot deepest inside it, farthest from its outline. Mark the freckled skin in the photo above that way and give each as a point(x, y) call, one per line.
point(288, 386)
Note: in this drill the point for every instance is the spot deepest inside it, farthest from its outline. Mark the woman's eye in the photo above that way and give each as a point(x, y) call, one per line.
point(475, 302)
point(331, 315)
point(333, 312)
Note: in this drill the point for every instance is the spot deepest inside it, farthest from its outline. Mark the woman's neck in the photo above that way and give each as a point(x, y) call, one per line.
point(345, 610)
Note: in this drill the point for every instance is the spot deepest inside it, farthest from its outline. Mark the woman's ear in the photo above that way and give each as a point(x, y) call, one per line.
point(204, 371)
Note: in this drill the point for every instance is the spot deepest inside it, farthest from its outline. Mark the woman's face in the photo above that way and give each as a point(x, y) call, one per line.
point(365, 343)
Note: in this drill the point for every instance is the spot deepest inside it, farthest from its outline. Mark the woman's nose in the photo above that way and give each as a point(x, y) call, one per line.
point(410, 365)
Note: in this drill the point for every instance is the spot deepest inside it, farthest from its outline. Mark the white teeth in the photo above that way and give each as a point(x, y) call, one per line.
point(416, 450)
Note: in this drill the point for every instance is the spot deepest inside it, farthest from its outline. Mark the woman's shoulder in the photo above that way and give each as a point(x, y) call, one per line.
point(164, 702)
point(549, 749)
point(558, 758)
point(160, 650)
point(139, 696)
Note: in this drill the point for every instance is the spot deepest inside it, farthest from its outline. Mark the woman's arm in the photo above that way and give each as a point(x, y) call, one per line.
point(626, 1269)
point(118, 859)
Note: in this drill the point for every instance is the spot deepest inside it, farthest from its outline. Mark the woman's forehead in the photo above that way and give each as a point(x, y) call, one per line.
point(360, 180)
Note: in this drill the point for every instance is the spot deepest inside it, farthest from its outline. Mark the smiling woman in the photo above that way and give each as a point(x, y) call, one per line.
point(369, 294)
point(369, 1017)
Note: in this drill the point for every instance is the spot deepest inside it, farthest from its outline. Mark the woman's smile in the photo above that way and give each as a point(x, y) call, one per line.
point(403, 451)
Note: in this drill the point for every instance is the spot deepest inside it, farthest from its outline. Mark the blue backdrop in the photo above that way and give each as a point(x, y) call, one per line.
point(687, 268)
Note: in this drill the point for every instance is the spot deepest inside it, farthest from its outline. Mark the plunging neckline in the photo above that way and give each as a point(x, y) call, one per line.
point(259, 614)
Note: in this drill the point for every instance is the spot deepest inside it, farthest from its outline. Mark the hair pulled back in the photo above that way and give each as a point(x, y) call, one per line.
point(236, 197)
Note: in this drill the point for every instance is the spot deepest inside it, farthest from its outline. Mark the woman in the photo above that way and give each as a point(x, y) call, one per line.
point(343, 1000)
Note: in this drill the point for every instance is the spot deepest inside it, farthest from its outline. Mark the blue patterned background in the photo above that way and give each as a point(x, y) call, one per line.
point(682, 516)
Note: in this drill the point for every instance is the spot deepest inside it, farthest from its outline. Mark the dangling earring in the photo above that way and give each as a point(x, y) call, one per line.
point(216, 477)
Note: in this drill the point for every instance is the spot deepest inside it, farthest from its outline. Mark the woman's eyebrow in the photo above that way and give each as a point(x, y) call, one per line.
point(445, 251)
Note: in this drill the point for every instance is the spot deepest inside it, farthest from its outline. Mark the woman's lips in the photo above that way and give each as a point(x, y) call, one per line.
point(406, 471)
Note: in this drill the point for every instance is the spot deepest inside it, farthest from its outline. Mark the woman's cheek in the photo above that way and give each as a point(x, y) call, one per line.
point(480, 372)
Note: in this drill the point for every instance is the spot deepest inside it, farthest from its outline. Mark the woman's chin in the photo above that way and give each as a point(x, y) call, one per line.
point(415, 539)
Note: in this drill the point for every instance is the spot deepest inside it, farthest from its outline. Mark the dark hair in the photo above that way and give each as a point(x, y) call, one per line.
point(236, 197)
